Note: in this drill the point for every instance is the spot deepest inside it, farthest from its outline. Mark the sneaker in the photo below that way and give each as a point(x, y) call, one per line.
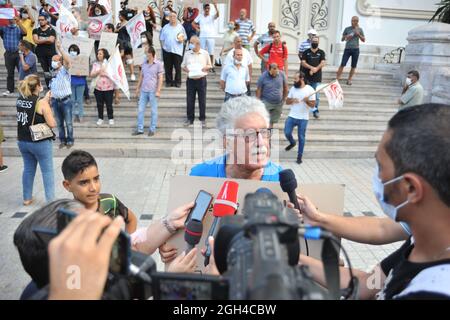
point(203, 124)
point(178, 85)
point(299, 160)
point(290, 147)
point(111, 122)
point(99, 122)
point(3, 168)
point(80, 119)
point(168, 85)
point(151, 133)
point(76, 119)
point(62, 145)
point(6, 93)
point(133, 77)
point(69, 145)
point(213, 70)
point(316, 115)
point(137, 133)
point(188, 123)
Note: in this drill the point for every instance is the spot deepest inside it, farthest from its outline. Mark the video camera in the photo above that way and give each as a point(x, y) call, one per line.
point(253, 254)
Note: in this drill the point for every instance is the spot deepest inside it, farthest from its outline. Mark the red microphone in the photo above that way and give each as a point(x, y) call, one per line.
point(224, 205)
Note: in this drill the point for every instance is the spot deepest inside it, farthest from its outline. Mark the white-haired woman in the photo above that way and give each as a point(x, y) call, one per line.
point(244, 124)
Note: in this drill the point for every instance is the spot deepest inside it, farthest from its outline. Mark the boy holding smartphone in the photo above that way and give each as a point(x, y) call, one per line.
point(82, 179)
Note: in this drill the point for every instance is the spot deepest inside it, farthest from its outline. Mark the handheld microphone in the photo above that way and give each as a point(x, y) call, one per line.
point(192, 234)
point(288, 184)
point(224, 205)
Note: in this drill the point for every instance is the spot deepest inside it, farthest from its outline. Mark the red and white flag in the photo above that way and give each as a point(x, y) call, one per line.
point(57, 4)
point(97, 25)
point(335, 95)
point(135, 27)
point(116, 72)
point(65, 22)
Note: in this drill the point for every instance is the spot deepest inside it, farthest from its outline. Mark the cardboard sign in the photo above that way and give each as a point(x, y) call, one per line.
point(140, 4)
point(108, 41)
point(84, 44)
point(179, 195)
point(139, 56)
point(79, 66)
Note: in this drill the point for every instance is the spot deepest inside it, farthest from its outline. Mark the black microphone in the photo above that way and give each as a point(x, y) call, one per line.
point(288, 184)
point(192, 234)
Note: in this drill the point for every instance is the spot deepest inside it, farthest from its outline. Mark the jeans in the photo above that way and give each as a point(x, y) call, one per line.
point(354, 54)
point(289, 126)
point(33, 153)
point(77, 100)
point(196, 87)
point(144, 98)
point(171, 61)
point(102, 98)
point(46, 62)
point(315, 85)
point(11, 63)
point(62, 109)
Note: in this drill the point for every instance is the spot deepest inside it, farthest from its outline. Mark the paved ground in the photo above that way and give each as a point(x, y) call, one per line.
point(143, 185)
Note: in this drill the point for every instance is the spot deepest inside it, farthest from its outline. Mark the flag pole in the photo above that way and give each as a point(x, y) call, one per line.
point(321, 89)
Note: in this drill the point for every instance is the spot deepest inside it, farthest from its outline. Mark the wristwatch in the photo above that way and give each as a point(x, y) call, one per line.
point(168, 226)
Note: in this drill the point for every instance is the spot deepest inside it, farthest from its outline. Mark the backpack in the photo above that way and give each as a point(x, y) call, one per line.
point(283, 45)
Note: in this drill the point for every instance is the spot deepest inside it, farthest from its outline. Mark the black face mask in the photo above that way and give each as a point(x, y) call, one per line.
point(298, 84)
point(314, 45)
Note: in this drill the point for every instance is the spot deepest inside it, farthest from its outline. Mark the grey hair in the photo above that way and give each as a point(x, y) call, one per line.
point(236, 108)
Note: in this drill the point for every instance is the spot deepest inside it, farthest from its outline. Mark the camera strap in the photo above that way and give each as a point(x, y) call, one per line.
point(330, 259)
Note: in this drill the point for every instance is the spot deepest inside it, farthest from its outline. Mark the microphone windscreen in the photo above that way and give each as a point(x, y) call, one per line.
point(193, 232)
point(226, 201)
point(222, 245)
point(288, 182)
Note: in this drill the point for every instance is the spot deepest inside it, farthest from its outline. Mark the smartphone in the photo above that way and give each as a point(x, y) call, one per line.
point(201, 207)
point(121, 250)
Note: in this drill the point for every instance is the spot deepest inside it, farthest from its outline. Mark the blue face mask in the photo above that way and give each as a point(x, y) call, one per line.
point(191, 46)
point(378, 189)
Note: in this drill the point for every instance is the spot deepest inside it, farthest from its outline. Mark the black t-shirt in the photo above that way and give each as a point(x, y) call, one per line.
point(25, 111)
point(408, 280)
point(313, 59)
point(45, 49)
point(112, 207)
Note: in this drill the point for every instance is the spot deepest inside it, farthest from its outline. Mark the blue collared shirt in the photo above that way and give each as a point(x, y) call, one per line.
point(60, 84)
point(11, 37)
point(215, 168)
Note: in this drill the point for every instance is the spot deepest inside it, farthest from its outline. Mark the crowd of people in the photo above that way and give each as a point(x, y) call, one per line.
point(411, 179)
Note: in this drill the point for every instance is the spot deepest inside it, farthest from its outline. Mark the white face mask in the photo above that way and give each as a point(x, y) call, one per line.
point(144, 40)
point(73, 53)
point(24, 16)
point(55, 64)
point(378, 190)
point(408, 82)
point(237, 62)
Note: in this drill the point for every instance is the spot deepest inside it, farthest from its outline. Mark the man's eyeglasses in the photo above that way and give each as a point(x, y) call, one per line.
point(251, 135)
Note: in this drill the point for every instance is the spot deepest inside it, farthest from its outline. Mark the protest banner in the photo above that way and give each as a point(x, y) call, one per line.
point(108, 41)
point(80, 63)
point(97, 25)
point(335, 95)
point(65, 22)
point(116, 72)
point(135, 27)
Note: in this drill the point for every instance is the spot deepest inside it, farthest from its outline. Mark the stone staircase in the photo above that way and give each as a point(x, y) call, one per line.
point(352, 132)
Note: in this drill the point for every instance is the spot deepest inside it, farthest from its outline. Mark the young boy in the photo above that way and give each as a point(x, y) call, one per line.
point(81, 178)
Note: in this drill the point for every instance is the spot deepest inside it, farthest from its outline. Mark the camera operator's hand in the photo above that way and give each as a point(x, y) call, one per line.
point(167, 253)
point(310, 212)
point(184, 263)
point(79, 256)
point(211, 268)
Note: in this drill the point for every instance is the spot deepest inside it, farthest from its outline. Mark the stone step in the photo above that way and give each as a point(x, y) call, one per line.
point(126, 150)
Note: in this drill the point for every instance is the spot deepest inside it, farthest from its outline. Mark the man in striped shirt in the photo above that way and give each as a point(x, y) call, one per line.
point(246, 29)
point(61, 91)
